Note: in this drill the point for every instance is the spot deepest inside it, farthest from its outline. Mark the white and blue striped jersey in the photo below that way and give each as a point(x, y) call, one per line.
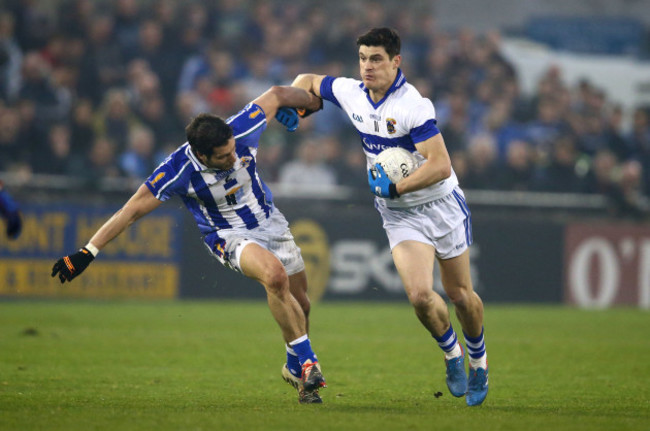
point(402, 118)
point(232, 199)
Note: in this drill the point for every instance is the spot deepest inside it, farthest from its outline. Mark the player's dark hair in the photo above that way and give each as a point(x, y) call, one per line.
point(385, 37)
point(207, 131)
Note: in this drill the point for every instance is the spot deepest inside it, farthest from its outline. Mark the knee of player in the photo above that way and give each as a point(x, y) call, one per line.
point(275, 278)
point(459, 295)
point(420, 297)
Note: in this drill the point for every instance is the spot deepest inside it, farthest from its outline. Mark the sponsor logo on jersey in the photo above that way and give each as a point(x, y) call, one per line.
point(375, 117)
point(157, 178)
point(390, 125)
point(233, 190)
point(372, 147)
point(254, 114)
point(357, 117)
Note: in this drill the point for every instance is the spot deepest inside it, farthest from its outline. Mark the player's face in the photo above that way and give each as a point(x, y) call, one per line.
point(378, 71)
point(222, 158)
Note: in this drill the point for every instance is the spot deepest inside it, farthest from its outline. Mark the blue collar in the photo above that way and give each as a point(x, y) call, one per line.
point(400, 80)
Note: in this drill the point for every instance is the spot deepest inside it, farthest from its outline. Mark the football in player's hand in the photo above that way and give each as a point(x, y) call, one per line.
point(398, 163)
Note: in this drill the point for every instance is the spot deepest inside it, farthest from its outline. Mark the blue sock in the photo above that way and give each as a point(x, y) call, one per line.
point(293, 364)
point(448, 340)
point(302, 347)
point(475, 346)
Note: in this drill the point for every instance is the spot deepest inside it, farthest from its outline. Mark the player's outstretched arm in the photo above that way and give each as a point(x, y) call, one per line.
point(139, 205)
point(286, 96)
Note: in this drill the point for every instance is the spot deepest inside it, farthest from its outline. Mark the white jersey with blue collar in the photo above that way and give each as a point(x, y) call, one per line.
point(233, 199)
point(402, 118)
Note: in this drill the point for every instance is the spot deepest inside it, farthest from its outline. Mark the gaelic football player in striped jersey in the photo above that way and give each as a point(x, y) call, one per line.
point(215, 174)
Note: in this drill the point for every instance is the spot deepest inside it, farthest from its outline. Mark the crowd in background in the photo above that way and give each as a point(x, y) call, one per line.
point(104, 89)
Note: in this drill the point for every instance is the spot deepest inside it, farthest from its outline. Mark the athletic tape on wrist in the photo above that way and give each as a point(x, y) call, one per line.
point(91, 248)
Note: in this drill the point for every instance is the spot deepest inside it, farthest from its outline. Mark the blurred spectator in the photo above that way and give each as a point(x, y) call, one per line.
point(453, 119)
point(82, 133)
point(58, 158)
point(115, 119)
point(127, 21)
point(101, 161)
point(560, 174)
point(482, 165)
point(12, 150)
point(164, 60)
point(75, 17)
point(33, 132)
point(102, 64)
point(138, 160)
point(351, 169)
point(151, 113)
point(547, 126)
point(627, 197)
point(11, 58)
point(600, 178)
point(272, 154)
point(51, 104)
point(517, 172)
point(639, 141)
point(614, 137)
point(33, 26)
point(308, 167)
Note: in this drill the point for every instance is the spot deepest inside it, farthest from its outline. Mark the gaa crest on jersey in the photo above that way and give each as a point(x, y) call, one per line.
point(390, 125)
point(246, 161)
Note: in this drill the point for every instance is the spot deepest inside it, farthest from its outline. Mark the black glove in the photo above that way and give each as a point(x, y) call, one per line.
point(69, 267)
point(303, 113)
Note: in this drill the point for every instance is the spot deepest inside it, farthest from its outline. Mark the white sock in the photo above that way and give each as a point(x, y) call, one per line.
point(478, 363)
point(454, 353)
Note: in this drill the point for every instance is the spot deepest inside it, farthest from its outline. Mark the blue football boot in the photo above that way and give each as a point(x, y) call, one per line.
point(477, 386)
point(456, 377)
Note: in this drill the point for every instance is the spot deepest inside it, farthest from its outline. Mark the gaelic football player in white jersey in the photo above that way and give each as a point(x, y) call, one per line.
point(215, 175)
point(425, 215)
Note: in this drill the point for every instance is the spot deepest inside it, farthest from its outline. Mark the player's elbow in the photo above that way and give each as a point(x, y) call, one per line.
point(440, 170)
point(305, 81)
point(445, 170)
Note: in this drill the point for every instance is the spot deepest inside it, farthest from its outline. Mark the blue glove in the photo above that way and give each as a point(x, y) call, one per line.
point(288, 117)
point(9, 211)
point(380, 185)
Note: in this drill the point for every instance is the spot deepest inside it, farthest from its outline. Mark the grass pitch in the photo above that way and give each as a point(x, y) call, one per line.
point(216, 366)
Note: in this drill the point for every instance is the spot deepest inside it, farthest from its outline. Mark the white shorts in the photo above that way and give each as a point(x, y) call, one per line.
point(273, 234)
point(444, 223)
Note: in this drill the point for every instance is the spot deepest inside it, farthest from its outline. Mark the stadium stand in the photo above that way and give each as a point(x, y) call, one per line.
point(111, 85)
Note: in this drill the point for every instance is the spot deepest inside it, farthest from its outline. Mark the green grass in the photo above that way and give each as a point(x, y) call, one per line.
point(216, 366)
